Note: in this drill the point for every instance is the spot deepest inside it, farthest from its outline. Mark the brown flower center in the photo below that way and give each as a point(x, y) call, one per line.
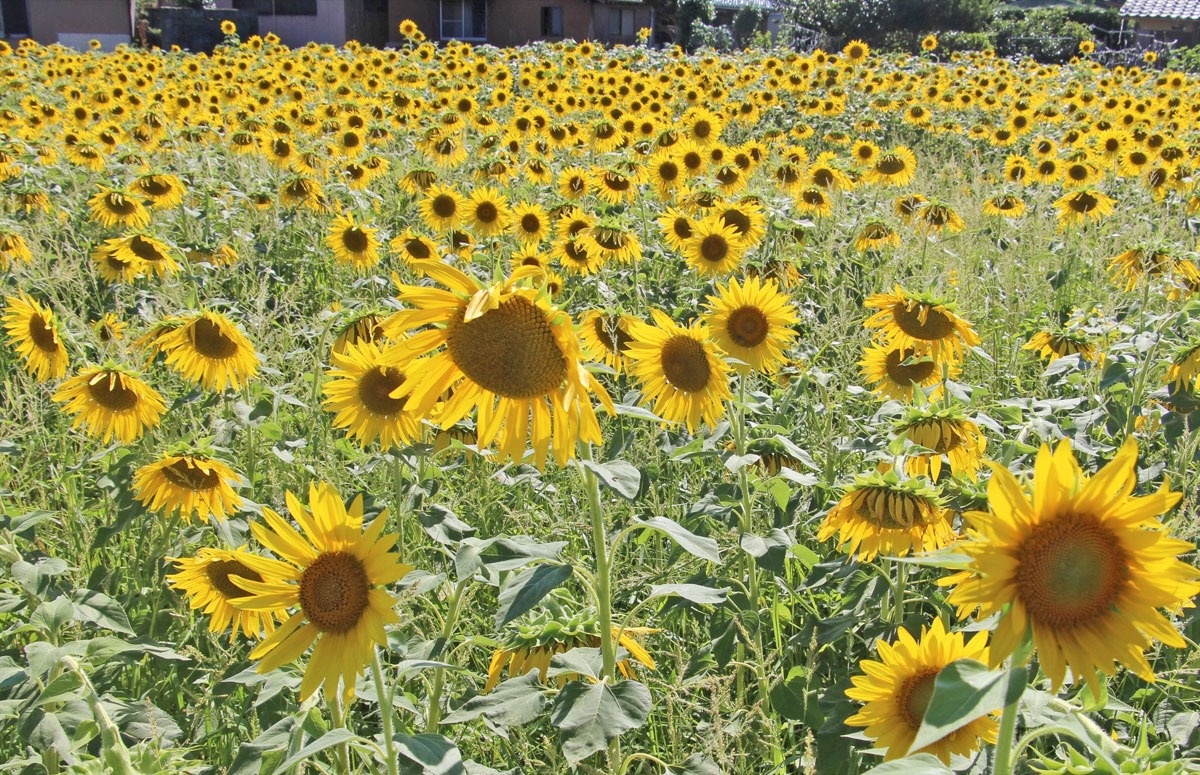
point(685, 364)
point(605, 329)
point(43, 334)
point(906, 373)
point(914, 696)
point(1083, 202)
point(510, 350)
point(714, 248)
point(154, 186)
point(219, 571)
point(444, 206)
point(1070, 571)
point(530, 223)
point(375, 390)
point(108, 389)
point(747, 326)
point(922, 321)
point(211, 341)
point(738, 220)
point(486, 212)
point(334, 592)
point(145, 249)
point(355, 240)
point(186, 474)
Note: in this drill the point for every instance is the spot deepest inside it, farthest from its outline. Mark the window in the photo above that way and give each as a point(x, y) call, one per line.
point(620, 22)
point(552, 21)
point(464, 19)
point(278, 7)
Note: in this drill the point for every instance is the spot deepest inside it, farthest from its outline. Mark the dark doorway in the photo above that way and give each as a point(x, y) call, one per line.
point(15, 17)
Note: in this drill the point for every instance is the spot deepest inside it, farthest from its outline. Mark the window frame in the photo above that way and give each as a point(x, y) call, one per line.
point(551, 14)
point(461, 20)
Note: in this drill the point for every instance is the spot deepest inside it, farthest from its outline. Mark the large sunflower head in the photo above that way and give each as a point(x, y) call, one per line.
point(194, 485)
point(505, 352)
point(1082, 205)
point(110, 402)
point(359, 392)
point(896, 689)
point(210, 351)
point(923, 323)
point(680, 371)
point(752, 323)
point(879, 514)
point(1077, 563)
point(33, 333)
point(206, 581)
point(334, 572)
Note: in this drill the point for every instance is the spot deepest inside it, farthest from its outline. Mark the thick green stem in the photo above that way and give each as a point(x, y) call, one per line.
point(398, 486)
point(113, 751)
point(384, 692)
point(434, 714)
point(603, 578)
point(1004, 762)
point(337, 717)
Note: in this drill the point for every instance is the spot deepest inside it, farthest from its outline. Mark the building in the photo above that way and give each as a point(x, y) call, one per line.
point(1167, 20)
point(69, 22)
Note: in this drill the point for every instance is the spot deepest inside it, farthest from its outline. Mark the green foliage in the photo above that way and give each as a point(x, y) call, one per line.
point(1046, 34)
point(1186, 59)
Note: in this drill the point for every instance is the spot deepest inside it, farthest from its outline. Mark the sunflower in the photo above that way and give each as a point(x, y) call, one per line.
point(1082, 205)
point(143, 253)
point(1142, 263)
point(922, 323)
point(894, 167)
point(162, 191)
point(676, 227)
point(714, 247)
point(334, 573)
point(606, 337)
point(929, 42)
point(443, 208)
point(111, 402)
point(359, 391)
point(1079, 563)
point(896, 691)
point(353, 243)
point(578, 255)
point(680, 371)
point(856, 52)
point(33, 333)
point(192, 485)
point(531, 645)
point(747, 219)
point(1185, 367)
point(1053, 345)
point(13, 247)
point(115, 208)
point(116, 265)
point(487, 212)
point(210, 351)
point(530, 223)
point(879, 514)
point(205, 581)
point(108, 328)
point(946, 432)
point(412, 248)
point(876, 234)
point(503, 351)
point(228, 27)
point(574, 182)
point(894, 370)
point(938, 216)
point(613, 242)
point(1004, 206)
point(864, 152)
point(752, 323)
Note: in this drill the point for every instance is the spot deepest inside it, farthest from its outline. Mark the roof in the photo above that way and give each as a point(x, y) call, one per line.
point(1162, 9)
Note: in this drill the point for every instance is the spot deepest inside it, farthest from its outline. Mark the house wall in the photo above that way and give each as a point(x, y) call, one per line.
point(328, 26)
point(514, 22)
point(1185, 31)
point(93, 18)
point(642, 17)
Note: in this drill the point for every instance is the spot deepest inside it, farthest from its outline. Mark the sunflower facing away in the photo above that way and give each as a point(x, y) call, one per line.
point(359, 392)
point(680, 371)
point(505, 352)
point(205, 580)
point(33, 333)
point(112, 208)
point(333, 573)
point(945, 432)
point(110, 402)
point(897, 688)
point(752, 323)
point(1077, 562)
point(925, 324)
point(211, 352)
point(192, 485)
point(879, 514)
point(1052, 345)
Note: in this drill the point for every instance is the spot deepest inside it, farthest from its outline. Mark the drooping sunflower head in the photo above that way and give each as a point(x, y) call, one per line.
point(894, 370)
point(206, 581)
point(1056, 344)
point(895, 167)
point(33, 332)
point(110, 402)
point(879, 514)
point(116, 208)
point(876, 234)
point(210, 351)
point(1082, 205)
point(921, 322)
point(942, 432)
point(192, 485)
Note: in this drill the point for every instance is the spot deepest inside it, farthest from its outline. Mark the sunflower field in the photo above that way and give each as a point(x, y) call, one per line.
point(608, 410)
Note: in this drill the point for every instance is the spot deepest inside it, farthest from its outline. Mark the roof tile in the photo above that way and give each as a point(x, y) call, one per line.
point(1162, 9)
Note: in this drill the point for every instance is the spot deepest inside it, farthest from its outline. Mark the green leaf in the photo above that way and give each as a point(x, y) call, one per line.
point(588, 716)
point(584, 661)
point(617, 475)
point(52, 615)
point(514, 702)
point(699, 764)
point(428, 754)
point(769, 551)
point(23, 524)
point(501, 554)
point(787, 698)
point(64, 688)
point(964, 691)
point(527, 589)
point(101, 610)
point(250, 755)
point(333, 737)
point(698, 546)
point(695, 593)
point(921, 764)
